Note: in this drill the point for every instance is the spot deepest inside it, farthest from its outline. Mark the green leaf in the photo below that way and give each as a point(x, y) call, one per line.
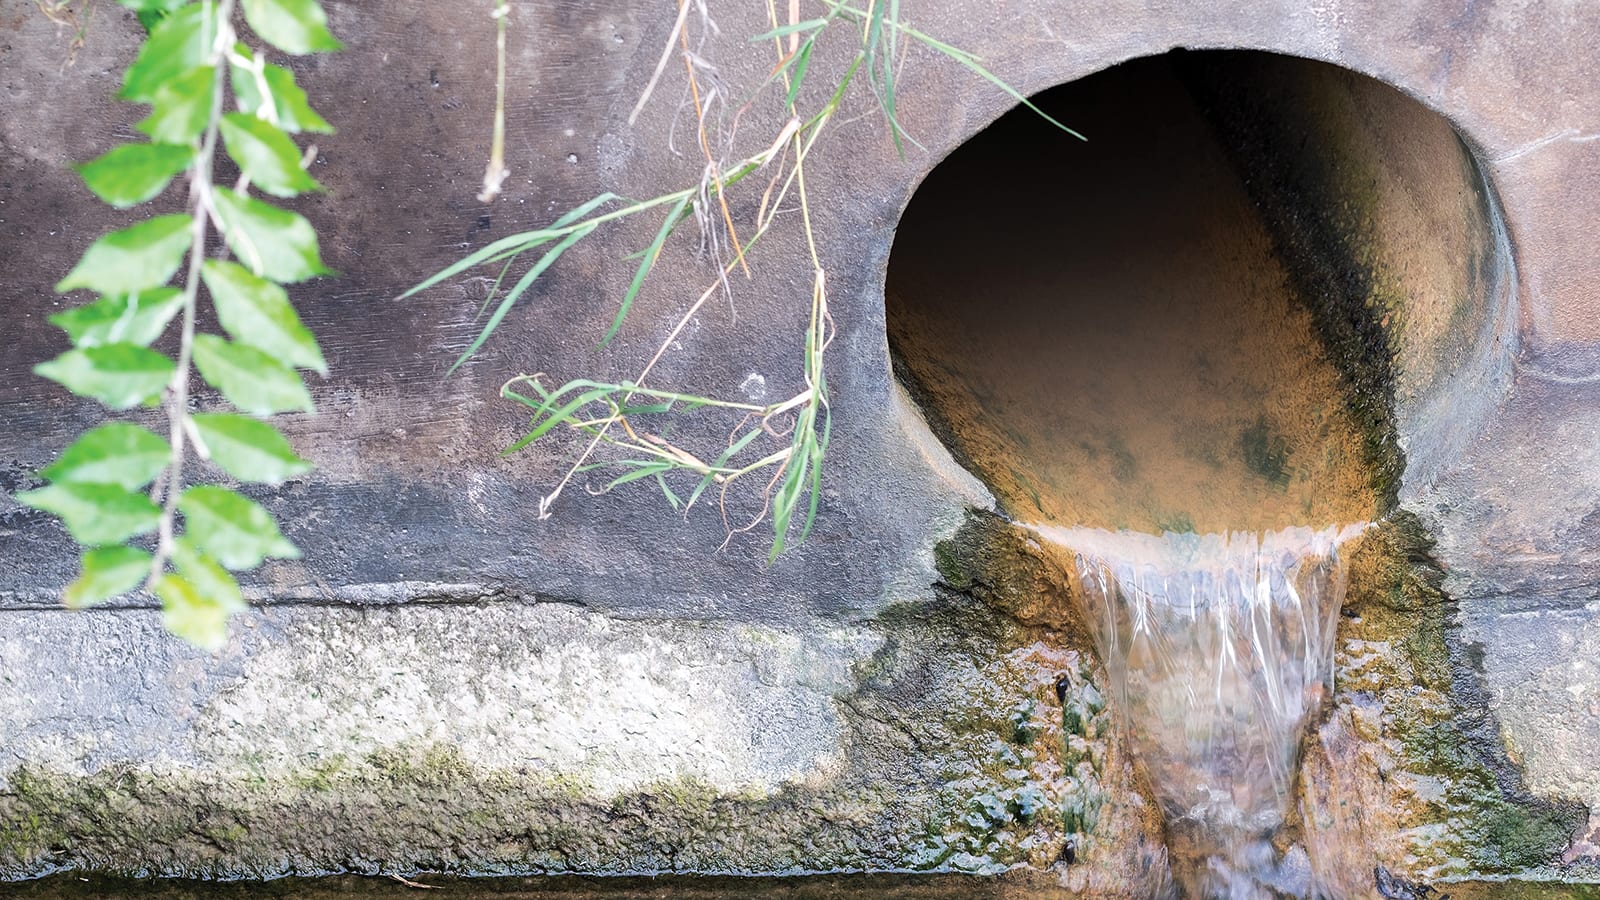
point(674, 216)
point(191, 615)
point(802, 60)
point(250, 379)
point(722, 460)
point(782, 30)
point(115, 453)
point(517, 290)
point(96, 514)
point(211, 580)
point(118, 375)
point(971, 62)
point(135, 258)
point(257, 312)
point(247, 449)
point(133, 173)
point(289, 106)
point(181, 108)
point(234, 529)
point(267, 155)
point(556, 416)
point(179, 43)
point(126, 319)
point(107, 572)
point(510, 247)
point(293, 26)
point(272, 242)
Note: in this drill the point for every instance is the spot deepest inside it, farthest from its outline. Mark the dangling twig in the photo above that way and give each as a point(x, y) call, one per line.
point(495, 174)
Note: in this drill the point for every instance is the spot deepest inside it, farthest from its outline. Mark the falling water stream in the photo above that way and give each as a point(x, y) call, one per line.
point(1218, 646)
point(1127, 336)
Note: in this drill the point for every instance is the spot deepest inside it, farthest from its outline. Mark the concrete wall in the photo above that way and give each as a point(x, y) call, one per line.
point(425, 568)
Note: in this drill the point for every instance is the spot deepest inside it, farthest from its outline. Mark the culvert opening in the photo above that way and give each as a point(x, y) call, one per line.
point(1179, 348)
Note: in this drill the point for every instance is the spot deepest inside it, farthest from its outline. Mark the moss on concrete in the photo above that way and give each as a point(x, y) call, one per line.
point(815, 887)
point(1105, 830)
point(1442, 798)
point(955, 760)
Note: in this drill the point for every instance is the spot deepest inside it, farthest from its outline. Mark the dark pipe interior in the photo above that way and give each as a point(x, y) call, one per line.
point(1104, 331)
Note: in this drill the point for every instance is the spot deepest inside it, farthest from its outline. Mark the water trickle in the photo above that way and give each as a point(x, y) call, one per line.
point(1218, 647)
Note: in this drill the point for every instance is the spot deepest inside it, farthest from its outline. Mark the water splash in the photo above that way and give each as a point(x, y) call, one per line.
point(1218, 647)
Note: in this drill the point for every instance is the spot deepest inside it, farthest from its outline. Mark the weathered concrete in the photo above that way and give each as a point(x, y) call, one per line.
point(1229, 331)
point(511, 737)
point(411, 503)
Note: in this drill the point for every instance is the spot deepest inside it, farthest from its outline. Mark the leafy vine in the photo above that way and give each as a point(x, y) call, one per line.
point(121, 482)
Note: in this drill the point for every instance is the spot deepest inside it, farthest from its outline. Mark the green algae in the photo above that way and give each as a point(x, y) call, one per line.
point(814, 887)
point(1101, 814)
point(1266, 453)
point(1482, 820)
point(953, 762)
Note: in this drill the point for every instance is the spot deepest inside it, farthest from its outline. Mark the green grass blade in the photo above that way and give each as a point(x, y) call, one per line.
point(548, 399)
point(971, 62)
point(872, 46)
point(794, 478)
point(495, 288)
point(887, 81)
point(523, 283)
point(816, 472)
point(587, 207)
point(802, 60)
point(786, 30)
point(552, 419)
point(721, 461)
point(875, 10)
point(892, 36)
point(525, 400)
point(654, 467)
point(645, 409)
point(677, 505)
point(674, 216)
point(783, 505)
point(516, 243)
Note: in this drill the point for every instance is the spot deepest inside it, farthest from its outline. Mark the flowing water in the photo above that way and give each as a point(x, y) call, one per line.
point(1131, 357)
point(1219, 647)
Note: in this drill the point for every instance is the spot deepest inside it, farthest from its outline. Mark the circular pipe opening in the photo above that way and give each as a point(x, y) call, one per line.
point(1227, 310)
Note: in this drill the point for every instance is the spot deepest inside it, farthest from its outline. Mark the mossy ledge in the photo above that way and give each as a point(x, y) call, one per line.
point(958, 755)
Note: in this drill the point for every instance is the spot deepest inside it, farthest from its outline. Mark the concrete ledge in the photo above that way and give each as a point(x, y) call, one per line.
point(513, 737)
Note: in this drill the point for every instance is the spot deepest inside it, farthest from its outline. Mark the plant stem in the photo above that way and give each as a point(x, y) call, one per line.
point(495, 174)
point(200, 204)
